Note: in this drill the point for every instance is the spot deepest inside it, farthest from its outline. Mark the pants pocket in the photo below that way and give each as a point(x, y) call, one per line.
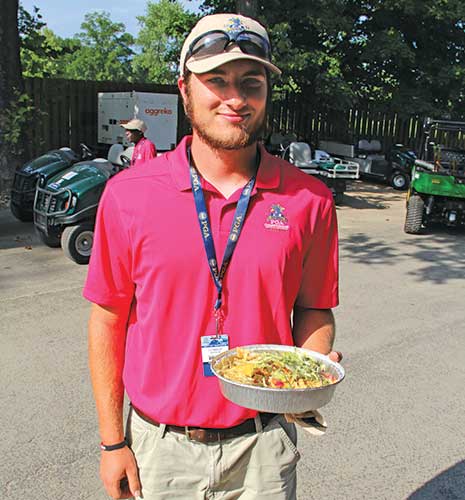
point(288, 433)
point(137, 430)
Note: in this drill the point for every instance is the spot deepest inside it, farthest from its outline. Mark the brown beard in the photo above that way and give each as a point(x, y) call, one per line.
point(246, 137)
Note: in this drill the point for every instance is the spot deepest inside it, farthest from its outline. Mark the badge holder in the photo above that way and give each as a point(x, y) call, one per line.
point(212, 345)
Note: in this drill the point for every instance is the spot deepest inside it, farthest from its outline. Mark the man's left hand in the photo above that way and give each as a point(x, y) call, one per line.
point(312, 421)
point(335, 356)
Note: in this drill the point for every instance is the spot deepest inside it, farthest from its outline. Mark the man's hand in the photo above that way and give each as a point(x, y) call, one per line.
point(335, 356)
point(313, 422)
point(118, 471)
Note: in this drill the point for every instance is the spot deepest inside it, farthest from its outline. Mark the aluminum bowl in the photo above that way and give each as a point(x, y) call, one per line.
point(278, 400)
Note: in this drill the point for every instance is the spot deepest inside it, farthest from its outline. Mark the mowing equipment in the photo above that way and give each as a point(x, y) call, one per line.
point(437, 190)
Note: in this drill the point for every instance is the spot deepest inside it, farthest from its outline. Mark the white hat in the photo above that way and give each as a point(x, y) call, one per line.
point(229, 23)
point(135, 124)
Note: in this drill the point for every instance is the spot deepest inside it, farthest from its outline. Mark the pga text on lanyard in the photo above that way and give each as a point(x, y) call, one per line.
point(220, 341)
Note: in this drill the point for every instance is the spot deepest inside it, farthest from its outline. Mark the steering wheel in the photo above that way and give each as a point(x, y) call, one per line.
point(86, 152)
point(126, 162)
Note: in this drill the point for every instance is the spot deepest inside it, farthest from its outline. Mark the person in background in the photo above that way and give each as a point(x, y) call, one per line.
point(219, 245)
point(144, 149)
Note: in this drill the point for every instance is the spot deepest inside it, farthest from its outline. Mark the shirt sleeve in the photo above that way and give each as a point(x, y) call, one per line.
point(109, 280)
point(319, 288)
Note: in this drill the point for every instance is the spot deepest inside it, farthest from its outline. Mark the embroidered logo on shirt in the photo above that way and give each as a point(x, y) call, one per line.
point(276, 219)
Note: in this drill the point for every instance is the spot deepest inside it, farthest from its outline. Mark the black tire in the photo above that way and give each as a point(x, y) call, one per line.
point(338, 198)
point(414, 217)
point(21, 214)
point(400, 181)
point(77, 242)
point(50, 241)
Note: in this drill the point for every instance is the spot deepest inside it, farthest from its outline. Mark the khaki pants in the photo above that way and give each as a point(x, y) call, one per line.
point(250, 467)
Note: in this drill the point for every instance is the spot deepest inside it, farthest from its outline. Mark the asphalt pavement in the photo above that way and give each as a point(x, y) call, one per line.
point(396, 424)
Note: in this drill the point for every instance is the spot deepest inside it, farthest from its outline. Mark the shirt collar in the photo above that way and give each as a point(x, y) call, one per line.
point(268, 176)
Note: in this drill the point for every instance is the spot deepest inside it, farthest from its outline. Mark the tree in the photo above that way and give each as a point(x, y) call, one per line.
point(41, 50)
point(104, 50)
point(163, 29)
point(403, 54)
point(11, 85)
point(415, 52)
point(10, 65)
point(247, 7)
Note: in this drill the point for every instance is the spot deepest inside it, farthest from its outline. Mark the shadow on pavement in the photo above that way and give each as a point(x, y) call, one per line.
point(366, 195)
point(439, 253)
point(449, 485)
point(16, 234)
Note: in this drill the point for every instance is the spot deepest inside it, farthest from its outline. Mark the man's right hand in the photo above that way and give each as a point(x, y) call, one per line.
point(118, 471)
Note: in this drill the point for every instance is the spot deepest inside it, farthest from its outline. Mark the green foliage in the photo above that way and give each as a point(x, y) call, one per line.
point(104, 51)
point(163, 29)
point(40, 49)
point(14, 119)
point(403, 54)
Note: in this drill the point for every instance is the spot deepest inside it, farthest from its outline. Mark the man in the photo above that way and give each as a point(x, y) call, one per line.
point(144, 149)
point(163, 286)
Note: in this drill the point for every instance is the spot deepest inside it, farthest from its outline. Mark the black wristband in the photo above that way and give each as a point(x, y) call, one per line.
point(111, 447)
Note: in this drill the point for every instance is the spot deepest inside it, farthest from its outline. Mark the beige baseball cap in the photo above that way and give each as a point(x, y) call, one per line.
point(135, 124)
point(229, 23)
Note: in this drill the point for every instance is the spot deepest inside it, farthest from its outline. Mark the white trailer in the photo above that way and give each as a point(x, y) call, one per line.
point(158, 111)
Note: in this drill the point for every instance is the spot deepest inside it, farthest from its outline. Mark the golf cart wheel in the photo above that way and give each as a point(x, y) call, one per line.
point(338, 198)
point(50, 241)
point(399, 181)
point(77, 242)
point(414, 217)
point(20, 214)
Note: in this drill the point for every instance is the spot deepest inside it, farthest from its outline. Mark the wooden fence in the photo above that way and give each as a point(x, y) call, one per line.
point(310, 123)
point(66, 111)
point(66, 114)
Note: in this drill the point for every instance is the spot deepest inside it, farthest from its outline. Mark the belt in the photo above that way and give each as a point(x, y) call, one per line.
point(210, 435)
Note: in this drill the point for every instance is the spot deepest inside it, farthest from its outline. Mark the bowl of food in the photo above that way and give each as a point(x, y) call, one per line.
point(277, 378)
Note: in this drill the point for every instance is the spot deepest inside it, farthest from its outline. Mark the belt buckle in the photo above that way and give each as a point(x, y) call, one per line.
point(197, 435)
point(201, 435)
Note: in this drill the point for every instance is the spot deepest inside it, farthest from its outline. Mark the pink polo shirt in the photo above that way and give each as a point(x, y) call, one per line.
point(144, 150)
point(148, 250)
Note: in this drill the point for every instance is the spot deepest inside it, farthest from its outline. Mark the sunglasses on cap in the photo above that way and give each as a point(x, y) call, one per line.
point(215, 42)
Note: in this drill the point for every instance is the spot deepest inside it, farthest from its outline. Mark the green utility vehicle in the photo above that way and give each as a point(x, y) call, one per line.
point(334, 172)
point(437, 189)
point(65, 205)
point(45, 166)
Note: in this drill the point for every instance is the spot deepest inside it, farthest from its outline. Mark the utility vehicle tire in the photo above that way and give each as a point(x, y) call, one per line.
point(50, 241)
point(77, 242)
point(414, 217)
point(338, 198)
point(399, 181)
point(21, 214)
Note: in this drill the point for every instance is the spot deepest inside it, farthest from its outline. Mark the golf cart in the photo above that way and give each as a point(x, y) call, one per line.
point(334, 172)
point(46, 165)
point(437, 190)
point(394, 169)
point(277, 143)
point(65, 205)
